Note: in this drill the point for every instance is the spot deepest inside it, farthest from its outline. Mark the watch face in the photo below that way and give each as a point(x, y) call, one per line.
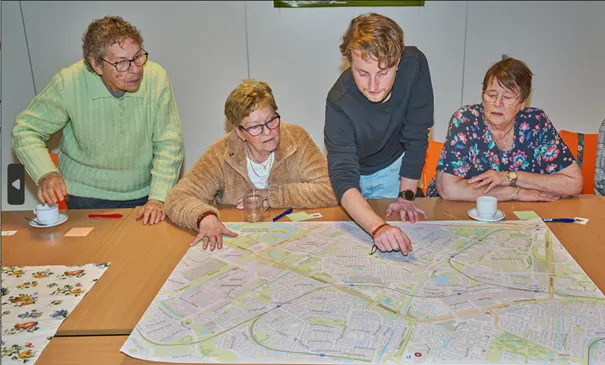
point(512, 175)
point(409, 195)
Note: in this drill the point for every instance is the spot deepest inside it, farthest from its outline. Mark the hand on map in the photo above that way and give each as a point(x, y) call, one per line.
point(405, 208)
point(152, 212)
point(211, 233)
point(391, 238)
point(52, 188)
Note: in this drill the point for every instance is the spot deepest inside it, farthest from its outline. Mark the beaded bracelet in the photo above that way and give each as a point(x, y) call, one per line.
point(204, 215)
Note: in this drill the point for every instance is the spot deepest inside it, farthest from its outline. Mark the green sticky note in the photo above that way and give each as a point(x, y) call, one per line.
point(299, 216)
point(526, 214)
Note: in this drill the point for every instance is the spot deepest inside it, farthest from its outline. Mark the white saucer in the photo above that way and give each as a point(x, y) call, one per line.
point(498, 217)
point(62, 219)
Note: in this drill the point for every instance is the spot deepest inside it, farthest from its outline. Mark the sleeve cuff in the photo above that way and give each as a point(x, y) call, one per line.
point(343, 188)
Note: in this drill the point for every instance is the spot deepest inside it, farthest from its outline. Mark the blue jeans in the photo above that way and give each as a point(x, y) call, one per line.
point(383, 183)
point(78, 202)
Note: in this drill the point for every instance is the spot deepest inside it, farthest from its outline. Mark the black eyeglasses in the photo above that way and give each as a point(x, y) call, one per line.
point(124, 65)
point(256, 130)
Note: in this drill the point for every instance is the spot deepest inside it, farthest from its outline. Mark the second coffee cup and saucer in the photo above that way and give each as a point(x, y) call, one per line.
point(486, 210)
point(47, 216)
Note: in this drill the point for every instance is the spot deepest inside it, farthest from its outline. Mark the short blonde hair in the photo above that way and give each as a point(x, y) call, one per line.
point(103, 33)
point(247, 97)
point(376, 36)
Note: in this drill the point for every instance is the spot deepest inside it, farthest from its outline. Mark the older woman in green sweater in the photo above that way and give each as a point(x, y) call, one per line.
point(121, 143)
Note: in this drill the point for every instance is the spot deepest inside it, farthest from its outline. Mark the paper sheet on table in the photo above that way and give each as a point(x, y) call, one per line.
point(526, 214)
point(79, 232)
point(299, 216)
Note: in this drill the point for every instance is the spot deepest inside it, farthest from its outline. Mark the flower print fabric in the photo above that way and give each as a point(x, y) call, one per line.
point(470, 150)
point(35, 301)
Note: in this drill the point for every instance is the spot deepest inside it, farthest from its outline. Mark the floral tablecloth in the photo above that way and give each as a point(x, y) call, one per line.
point(35, 301)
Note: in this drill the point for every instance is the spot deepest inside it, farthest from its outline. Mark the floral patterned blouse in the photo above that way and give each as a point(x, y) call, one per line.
point(470, 150)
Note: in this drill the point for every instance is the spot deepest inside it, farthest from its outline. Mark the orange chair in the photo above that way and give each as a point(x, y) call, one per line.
point(584, 148)
point(55, 158)
point(433, 152)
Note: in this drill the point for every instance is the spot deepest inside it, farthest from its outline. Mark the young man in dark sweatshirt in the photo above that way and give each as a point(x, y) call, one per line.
point(378, 115)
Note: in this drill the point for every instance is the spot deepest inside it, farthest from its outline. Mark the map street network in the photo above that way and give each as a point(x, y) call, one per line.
point(470, 293)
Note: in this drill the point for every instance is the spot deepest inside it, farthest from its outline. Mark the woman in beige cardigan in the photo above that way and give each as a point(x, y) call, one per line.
point(260, 152)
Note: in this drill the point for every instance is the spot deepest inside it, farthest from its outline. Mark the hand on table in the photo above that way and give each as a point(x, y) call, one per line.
point(52, 189)
point(391, 238)
point(152, 212)
point(528, 195)
point(405, 208)
point(211, 233)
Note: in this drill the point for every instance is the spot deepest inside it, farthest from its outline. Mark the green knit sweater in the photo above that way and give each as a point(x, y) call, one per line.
point(111, 148)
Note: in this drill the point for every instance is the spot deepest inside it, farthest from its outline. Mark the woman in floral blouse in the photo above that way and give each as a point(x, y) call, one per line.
point(504, 149)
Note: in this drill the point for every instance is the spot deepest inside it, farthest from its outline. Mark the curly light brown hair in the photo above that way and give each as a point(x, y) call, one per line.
point(512, 74)
point(246, 98)
point(103, 33)
point(375, 36)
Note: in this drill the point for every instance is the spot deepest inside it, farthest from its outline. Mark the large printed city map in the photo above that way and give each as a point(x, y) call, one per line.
point(310, 292)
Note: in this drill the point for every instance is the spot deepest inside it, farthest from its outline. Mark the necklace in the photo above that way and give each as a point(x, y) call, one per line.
point(507, 143)
point(267, 163)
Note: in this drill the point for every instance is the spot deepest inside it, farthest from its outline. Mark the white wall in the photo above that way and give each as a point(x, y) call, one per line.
point(208, 47)
point(296, 52)
point(17, 88)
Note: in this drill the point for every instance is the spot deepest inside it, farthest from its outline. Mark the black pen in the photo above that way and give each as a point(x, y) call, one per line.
point(559, 220)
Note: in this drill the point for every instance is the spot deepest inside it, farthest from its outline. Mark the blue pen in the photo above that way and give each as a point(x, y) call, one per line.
point(560, 220)
point(286, 212)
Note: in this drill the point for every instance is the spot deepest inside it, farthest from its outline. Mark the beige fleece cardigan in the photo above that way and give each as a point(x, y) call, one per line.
point(298, 177)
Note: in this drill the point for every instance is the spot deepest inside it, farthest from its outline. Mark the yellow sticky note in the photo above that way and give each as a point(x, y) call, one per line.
point(79, 232)
point(299, 216)
point(526, 214)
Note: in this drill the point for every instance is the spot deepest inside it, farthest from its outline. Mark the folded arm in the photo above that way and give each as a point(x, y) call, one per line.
point(568, 181)
point(452, 187)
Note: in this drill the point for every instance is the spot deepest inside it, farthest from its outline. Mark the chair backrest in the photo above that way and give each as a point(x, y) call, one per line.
point(433, 152)
point(55, 158)
point(583, 147)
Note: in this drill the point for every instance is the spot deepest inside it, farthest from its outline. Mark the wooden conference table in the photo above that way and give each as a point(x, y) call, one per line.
point(142, 258)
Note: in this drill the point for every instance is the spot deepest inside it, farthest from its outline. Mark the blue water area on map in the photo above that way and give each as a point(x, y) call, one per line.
point(388, 301)
point(285, 231)
point(441, 279)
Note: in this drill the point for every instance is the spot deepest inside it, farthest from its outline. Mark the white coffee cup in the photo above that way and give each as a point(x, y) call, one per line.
point(487, 206)
point(47, 214)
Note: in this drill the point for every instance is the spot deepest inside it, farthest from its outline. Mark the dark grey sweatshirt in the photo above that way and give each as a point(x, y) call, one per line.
point(362, 137)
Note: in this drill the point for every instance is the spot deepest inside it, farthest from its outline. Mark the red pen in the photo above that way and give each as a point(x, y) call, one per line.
point(115, 215)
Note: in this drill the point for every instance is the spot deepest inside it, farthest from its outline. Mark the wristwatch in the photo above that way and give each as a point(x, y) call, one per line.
point(512, 177)
point(407, 195)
